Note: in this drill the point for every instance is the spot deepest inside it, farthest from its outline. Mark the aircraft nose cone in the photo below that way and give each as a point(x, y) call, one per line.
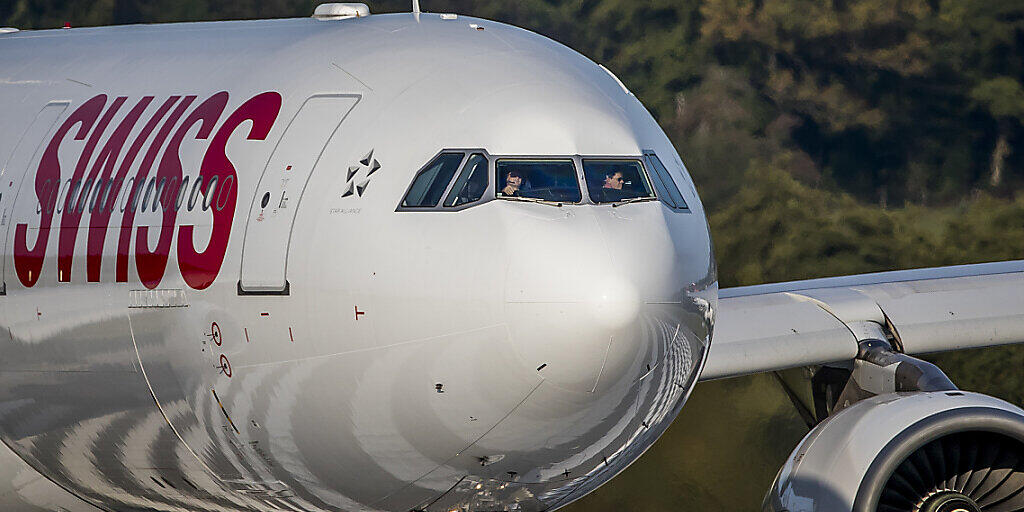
point(586, 346)
point(615, 304)
point(573, 312)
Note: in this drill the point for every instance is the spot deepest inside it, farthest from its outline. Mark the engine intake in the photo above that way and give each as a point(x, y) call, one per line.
point(945, 451)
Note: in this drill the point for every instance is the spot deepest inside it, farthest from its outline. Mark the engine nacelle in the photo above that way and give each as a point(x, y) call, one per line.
point(947, 451)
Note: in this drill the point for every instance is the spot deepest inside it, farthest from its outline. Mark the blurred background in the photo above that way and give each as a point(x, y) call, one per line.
point(826, 137)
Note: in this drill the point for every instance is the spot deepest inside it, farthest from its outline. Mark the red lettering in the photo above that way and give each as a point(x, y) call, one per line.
point(100, 220)
point(99, 180)
point(29, 262)
point(199, 269)
point(99, 190)
point(128, 217)
point(151, 265)
point(72, 215)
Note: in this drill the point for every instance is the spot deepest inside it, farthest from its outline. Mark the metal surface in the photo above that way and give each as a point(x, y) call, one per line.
point(24, 152)
point(564, 340)
point(340, 11)
point(842, 463)
point(774, 332)
point(784, 325)
point(283, 183)
point(896, 276)
point(23, 489)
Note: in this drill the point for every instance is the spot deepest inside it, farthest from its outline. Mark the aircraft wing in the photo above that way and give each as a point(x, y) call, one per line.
point(784, 325)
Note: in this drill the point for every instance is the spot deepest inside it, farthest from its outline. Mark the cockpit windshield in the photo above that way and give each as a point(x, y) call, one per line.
point(544, 180)
point(612, 181)
point(457, 179)
point(471, 184)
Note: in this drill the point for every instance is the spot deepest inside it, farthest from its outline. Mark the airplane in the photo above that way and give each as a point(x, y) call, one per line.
point(418, 262)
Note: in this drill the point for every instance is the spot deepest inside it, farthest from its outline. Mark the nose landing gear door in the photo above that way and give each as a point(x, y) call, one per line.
point(269, 225)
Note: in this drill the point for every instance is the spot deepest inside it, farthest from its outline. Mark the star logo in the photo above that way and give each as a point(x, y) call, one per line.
point(365, 169)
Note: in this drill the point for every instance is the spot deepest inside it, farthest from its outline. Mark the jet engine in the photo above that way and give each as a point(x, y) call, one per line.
point(945, 451)
point(901, 437)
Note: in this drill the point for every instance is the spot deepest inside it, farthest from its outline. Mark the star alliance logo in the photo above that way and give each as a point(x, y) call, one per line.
point(368, 165)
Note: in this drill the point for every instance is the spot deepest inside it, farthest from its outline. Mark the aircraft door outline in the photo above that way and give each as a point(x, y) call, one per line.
point(272, 212)
point(17, 169)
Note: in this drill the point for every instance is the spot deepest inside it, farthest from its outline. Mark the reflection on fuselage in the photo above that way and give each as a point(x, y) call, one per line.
point(125, 454)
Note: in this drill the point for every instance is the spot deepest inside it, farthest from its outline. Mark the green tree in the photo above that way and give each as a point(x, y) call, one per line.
point(886, 93)
point(981, 42)
point(776, 229)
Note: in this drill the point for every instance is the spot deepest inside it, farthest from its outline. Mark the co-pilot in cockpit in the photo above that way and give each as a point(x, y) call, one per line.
point(513, 182)
point(611, 181)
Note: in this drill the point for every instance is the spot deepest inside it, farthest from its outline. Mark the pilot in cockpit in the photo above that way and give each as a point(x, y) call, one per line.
point(513, 181)
point(612, 187)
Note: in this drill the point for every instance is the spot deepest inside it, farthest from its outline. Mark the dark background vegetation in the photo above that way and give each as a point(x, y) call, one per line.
point(826, 137)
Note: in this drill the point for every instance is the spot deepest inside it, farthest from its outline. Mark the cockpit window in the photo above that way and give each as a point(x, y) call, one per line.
point(457, 179)
point(431, 182)
point(471, 183)
point(663, 182)
point(544, 180)
point(612, 181)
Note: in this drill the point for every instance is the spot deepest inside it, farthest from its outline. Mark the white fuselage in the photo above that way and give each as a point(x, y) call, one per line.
point(284, 336)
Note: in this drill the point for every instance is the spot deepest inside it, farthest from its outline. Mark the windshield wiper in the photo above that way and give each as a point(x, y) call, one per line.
point(533, 200)
point(632, 200)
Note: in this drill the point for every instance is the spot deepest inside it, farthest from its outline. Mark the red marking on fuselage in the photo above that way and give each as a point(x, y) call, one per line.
point(72, 213)
point(290, 335)
point(98, 190)
point(199, 269)
point(246, 334)
point(128, 217)
point(100, 218)
point(358, 313)
point(151, 264)
point(225, 365)
point(29, 261)
point(216, 334)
